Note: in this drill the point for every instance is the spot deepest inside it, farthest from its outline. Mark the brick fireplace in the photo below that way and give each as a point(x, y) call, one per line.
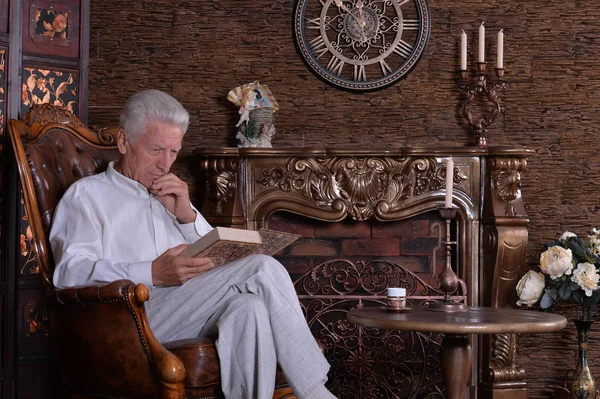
point(368, 220)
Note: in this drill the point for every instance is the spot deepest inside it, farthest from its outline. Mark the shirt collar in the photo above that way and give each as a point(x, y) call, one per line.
point(124, 182)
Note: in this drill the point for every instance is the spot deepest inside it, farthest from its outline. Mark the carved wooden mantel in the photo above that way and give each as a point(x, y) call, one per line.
point(244, 187)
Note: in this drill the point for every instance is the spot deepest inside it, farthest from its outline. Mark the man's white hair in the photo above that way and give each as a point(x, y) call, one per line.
point(149, 106)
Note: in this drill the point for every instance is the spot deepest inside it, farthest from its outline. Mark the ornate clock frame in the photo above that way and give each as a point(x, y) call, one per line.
point(361, 45)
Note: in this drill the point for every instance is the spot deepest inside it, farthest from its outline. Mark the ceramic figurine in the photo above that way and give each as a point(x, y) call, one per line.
point(257, 105)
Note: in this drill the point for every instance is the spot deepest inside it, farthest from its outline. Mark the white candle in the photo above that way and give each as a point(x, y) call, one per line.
point(393, 291)
point(481, 43)
point(449, 182)
point(500, 61)
point(463, 51)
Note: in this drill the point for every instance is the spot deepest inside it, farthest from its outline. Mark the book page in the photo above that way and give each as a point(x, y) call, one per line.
point(223, 251)
point(274, 241)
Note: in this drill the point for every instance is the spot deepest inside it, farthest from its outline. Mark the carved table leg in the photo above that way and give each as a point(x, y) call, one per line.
point(456, 360)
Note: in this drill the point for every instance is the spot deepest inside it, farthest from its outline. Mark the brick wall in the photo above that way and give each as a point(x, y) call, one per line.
point(411, 243)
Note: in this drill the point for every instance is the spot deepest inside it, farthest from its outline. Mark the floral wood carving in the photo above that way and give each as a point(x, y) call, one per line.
point(222, 183)
point(506, 181)
point(363, 185)
point(503, 359)
point(47, 113)
point(369, 362)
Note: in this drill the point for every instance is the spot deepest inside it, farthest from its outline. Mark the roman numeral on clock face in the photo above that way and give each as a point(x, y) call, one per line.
point(411, 24)
point(403, 49)
point(335, 65)
point(359, 73)
point(314, 23)
point(385, 68)
point(318, 47)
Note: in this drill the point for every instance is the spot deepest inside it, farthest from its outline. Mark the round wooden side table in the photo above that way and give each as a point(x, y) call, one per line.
point(455, 352)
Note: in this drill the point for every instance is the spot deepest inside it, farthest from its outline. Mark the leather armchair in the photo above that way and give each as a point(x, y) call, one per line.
point(106, 348)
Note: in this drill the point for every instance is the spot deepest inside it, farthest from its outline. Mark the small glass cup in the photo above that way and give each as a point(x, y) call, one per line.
point(396, 298)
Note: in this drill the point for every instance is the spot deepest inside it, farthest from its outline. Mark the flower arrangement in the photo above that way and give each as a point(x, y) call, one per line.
point(569, 272)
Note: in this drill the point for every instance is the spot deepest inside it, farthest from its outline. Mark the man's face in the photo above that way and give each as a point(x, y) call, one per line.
point(151, 154)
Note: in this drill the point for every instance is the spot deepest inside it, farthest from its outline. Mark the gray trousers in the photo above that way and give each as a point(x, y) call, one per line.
point(252, 307)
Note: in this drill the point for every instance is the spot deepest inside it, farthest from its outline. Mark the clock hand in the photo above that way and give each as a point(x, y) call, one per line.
point(361, 19)
point(341, 5)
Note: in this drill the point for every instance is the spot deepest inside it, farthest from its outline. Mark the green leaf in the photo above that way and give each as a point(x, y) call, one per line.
point(546, 301)
point(564, 291)
point(578, 295)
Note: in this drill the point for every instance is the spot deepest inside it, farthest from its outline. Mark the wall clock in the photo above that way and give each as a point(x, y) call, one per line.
point(361, 45)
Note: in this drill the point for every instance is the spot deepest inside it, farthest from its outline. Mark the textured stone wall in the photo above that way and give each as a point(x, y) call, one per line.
point(198, 50)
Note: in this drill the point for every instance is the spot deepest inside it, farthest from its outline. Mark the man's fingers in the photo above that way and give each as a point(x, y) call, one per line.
point(169, 178)
point(175, 251)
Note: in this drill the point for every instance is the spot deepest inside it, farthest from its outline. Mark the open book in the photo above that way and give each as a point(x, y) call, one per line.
point(224, 244)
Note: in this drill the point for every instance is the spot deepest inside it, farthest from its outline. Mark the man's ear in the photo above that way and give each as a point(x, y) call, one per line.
point(122, 141)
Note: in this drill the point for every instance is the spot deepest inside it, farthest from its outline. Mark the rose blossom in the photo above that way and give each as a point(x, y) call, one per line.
point(556, 261)
point(586, 277)
point(530, 288)
point(566, 235)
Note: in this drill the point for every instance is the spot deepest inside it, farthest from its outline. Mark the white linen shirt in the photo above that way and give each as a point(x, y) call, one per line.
point(108, 227)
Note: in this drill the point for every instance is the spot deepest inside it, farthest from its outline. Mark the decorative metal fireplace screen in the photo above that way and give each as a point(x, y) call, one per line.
point(368, 362)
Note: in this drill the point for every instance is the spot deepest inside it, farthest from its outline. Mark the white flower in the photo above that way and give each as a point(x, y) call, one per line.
point(594, 245)
point(594, 242)
point(566, 235)
point(586, 277)
point(530, 288)
point(556, 261)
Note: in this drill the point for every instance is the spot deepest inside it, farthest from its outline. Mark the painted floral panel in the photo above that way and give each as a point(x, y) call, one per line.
point(28, 263)
point(42, 86)
point(51, 23)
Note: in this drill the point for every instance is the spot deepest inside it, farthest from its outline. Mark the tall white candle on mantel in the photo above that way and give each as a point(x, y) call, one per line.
point(463, 51)
point(449, 182)
point(500, 61)
point(481, 43)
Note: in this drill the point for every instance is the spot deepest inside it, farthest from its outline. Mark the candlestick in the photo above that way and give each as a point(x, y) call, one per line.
point(500, 61)
point(449, 182)
point(481, 88)
point(481, 43)
point(463, 51)
point(449, 281)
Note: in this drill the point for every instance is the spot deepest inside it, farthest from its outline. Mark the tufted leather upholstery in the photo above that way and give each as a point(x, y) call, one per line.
point(106, 348)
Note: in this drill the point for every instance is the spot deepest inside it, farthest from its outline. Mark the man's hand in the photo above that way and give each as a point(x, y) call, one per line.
point(172, 269)
point(174, 195)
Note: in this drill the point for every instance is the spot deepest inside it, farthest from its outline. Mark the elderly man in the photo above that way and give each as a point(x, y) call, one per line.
point(133, 221)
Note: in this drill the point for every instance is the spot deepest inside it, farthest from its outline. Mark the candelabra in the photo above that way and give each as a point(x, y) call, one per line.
point(448, 279)
point(481, 88)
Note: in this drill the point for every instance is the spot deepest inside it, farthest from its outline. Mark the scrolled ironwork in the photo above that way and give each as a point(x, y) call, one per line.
point(370, 362)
